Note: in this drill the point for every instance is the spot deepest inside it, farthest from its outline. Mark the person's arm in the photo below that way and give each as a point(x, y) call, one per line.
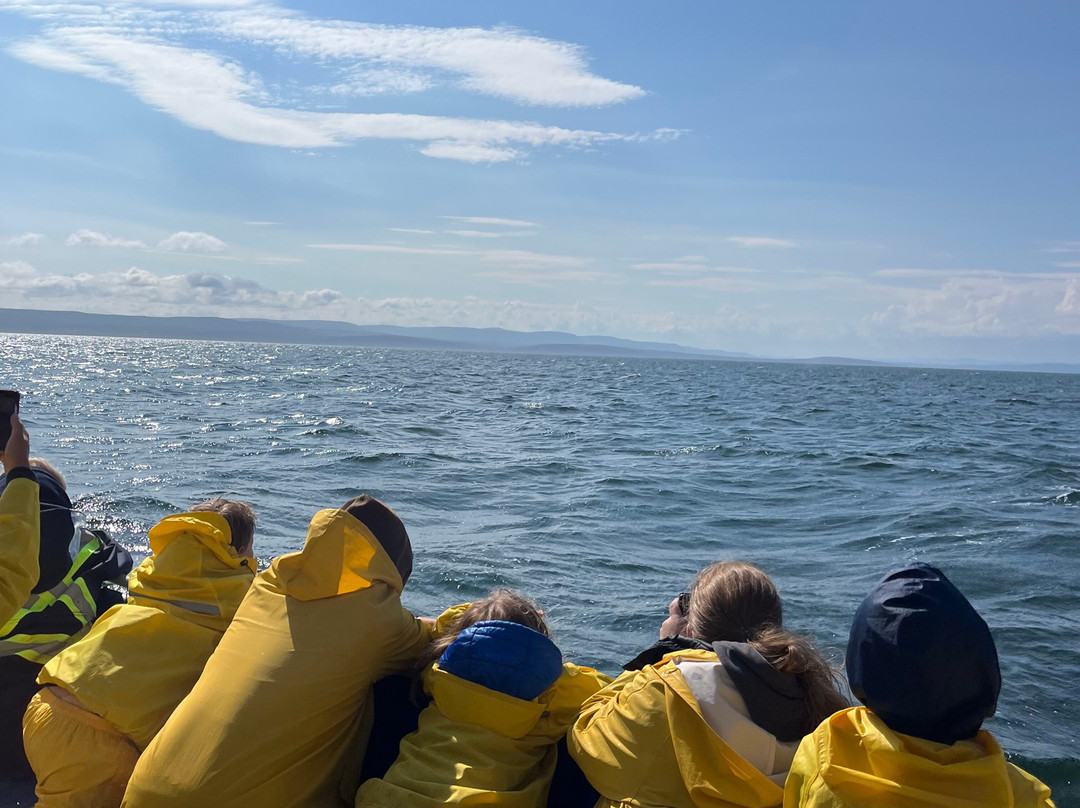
point(20, 524)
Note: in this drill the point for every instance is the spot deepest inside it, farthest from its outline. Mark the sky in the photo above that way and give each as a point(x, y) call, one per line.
point(881, 180)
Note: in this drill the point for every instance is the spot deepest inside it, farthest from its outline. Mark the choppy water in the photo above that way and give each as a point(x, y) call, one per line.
point(600, 486)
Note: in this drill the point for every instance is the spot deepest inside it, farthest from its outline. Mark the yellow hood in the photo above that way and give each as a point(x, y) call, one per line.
point(193, 571)
point(642, 741)
point(142, 658)
point(340, 556)
point(854, 759)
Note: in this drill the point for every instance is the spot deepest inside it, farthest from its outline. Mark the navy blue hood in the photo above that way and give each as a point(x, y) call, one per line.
point(921, 658)
point(57, 529)
point(506, 657)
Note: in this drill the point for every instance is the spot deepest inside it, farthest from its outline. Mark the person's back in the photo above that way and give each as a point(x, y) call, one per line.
point(924, 664)
point(107, 695)
point(279, 709)
point(501, 699)
point(74, 564)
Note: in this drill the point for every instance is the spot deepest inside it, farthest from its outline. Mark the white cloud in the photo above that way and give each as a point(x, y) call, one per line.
point(263, 224)
point(205, 294)
point(491, 221)
point(151, 54)
point(25, 240)
point(90, 238)
point(521, 258)
point(409, 230)
point(761, 241)
point(489, 234)
point(185, 241)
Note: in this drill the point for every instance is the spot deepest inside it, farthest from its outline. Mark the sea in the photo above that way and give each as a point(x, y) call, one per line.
point(600, 486)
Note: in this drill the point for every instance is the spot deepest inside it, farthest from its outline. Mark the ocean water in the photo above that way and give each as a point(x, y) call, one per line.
point(600, 486)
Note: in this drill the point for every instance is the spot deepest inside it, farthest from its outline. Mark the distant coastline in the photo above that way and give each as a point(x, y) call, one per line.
point(444, 338)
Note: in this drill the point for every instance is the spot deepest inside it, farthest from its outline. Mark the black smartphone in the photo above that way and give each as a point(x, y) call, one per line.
point(9, 403)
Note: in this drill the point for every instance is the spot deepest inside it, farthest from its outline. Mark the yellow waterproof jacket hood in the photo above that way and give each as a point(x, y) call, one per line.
point(643, 742)
point(142, 658)
point(281, 707)
point(20, 530)
point(853, 759)
point(478, 746)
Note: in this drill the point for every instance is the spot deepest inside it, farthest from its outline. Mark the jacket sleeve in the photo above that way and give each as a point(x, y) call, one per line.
point(20, 536)
point(612, 737)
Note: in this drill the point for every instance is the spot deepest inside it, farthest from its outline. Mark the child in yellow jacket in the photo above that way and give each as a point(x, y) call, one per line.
point(924, 664)
point(502, 698)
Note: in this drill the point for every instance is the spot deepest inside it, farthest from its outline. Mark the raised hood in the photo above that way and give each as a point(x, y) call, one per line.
point(340, 556)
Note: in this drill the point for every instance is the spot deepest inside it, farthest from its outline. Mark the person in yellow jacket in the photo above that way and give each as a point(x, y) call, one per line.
point(282, 709)
point(501, 699)
point(20, 524)
point(109, 693)
point(710, 717)
point(924, 663)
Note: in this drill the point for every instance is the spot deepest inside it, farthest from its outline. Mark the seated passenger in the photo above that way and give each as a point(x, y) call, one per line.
point(281, 713)
point(109, 693)
point(69, 596)
point(924, 664)
point(712, 715)
point(501, 699)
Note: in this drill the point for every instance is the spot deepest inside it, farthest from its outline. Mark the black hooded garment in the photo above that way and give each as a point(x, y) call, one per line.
point(921, 658)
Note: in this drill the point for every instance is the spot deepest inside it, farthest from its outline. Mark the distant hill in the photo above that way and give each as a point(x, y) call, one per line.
point(320, 332)
point(438, 338)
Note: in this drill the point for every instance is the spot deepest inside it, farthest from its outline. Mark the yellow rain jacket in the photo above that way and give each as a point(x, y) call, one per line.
point(853, 760)
point(20, 534)
point(476, 746)
point(142, 658)
point(282, 705)
point(643, 742)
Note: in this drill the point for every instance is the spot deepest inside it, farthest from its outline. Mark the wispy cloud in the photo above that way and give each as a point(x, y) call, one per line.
point(90, 238)
point(1064, 247)
point(761, 241)
point(152, 53)
point(409, 230)
point(185, 241)
point(491, 221)
point(490, 234)
point(521, 258)
point(25, 240)
point(263, 224)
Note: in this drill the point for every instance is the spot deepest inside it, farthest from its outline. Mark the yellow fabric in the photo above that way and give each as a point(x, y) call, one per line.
point(57, 735)
point(476, 746)
point(142, 658)
point(282, 705)
point(854, 760)
point(20, 538)
point(643, 742)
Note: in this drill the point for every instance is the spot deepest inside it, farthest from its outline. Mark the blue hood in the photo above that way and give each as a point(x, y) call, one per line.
point(506, 657)
point(921, 658)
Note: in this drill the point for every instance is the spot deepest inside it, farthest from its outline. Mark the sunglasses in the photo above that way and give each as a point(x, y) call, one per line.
point(684, 603)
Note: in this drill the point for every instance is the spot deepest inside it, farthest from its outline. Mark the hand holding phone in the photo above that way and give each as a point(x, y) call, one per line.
point(14, 441)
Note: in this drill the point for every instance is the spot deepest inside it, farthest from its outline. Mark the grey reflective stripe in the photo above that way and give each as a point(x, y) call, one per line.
point(186, 605)
point(39, 648)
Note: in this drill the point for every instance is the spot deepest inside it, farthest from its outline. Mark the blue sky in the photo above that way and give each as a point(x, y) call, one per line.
point(871, 179)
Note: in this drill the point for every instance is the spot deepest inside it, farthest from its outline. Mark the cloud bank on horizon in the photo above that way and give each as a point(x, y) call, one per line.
point(722, 177)
point(150, 50)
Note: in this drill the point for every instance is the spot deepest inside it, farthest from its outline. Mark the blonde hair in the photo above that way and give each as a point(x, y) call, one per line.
point(501, 604)
point(735, 601)
point(42, 463)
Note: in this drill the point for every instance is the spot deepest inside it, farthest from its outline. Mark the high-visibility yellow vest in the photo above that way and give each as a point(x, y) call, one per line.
point(69, 604)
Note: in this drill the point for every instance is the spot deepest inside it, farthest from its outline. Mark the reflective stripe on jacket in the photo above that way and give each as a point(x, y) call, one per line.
point(52, 619)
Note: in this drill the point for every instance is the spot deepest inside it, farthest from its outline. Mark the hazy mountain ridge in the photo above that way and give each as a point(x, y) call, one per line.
point(446, 338)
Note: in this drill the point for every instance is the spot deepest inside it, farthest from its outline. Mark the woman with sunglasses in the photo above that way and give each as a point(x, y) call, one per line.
point(713, 713)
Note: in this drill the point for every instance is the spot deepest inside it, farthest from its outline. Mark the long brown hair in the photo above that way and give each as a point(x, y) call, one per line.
point(501, 604)
point(736, 601)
